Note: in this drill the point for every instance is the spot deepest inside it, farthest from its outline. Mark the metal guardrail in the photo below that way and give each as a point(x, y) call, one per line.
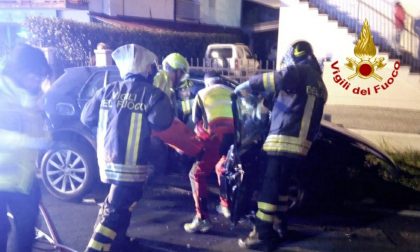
point(380, 15)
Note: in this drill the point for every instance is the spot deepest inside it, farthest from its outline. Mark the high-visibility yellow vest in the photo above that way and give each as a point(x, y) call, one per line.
point(22, 134)
point(215, 102)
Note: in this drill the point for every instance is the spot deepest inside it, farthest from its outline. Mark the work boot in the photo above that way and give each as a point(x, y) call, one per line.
point(223, 211)
point(254, 242)
point(198, 225)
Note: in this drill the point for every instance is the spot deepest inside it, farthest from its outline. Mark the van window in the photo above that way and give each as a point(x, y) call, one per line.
point(248, 53)
point(240, 52)
point(221, 52)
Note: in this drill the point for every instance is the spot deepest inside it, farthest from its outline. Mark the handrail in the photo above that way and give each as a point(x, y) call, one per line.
point(407, 16)
point(380, 15)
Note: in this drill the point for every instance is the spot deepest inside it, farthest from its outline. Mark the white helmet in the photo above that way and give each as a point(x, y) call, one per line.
point(133, 59)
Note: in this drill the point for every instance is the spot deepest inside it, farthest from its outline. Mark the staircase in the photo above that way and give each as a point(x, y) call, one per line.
point(333, 27)
point(299, 20)
point(380, 14)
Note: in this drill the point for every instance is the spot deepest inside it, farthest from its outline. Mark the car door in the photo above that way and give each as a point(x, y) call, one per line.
point(95, 82)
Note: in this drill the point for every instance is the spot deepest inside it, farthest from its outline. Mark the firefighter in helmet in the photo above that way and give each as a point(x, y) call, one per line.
point(298, 96)
point(125, 113)
point(174, 72)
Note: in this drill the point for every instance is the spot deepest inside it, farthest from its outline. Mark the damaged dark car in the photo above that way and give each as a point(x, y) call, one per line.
point(340, 163)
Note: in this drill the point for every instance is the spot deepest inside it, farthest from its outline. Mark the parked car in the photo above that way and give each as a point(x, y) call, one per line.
point(235, 59)
point(69, 167)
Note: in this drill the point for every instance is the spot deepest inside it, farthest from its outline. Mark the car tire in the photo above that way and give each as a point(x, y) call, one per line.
point(297, 194)
point(69, 170)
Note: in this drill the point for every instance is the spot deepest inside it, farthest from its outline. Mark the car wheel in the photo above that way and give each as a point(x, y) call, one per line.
point(296, 194)
point(69, 170)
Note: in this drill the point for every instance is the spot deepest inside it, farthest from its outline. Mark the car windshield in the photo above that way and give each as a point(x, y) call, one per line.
point(221, 53)
point(254, 120)
point(248, 53)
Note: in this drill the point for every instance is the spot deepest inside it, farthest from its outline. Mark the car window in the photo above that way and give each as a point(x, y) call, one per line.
point(240, 52)
point(248, 53)
point(96, 81)
point(221, 53)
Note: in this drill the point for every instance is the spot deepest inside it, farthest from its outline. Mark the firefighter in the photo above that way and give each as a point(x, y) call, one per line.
point(174, 72)
point(169, 79)
point(212, 114)
point(173, 80)
point(298, 94)
point(22, 132)
point(125, 113)
point(184, 101)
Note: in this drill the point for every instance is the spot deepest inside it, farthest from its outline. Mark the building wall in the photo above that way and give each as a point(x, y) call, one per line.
point(76, 15)
point(156, 9)
point(225, 13)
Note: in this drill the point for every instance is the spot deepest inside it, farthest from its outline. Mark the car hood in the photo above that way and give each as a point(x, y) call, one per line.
point(358, 141)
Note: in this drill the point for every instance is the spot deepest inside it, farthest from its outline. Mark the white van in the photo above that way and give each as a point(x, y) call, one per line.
point(237, 59)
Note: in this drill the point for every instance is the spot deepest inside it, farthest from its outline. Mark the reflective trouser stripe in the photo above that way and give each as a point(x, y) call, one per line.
point(268, 82)
point(105, 231)
point(267, 207)
point(133, 140)
point(105, 234)
point(266, 217)
point(99, 246)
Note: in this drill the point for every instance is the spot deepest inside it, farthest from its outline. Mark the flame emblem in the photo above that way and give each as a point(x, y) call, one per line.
point(365, 50)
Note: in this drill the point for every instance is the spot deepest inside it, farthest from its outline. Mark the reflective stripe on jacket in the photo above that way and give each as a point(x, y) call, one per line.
point(22, 132)
point(125, 113)
point(300, 95)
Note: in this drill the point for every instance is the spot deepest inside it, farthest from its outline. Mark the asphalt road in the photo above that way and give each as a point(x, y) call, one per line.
point(167, 204)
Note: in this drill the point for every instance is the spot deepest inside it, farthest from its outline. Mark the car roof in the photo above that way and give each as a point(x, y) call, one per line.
point(76, 77)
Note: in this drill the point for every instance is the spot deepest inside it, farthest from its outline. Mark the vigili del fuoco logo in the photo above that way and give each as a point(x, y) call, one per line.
point(368, 75)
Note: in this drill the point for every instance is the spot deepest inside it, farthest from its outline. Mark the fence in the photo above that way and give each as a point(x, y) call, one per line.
point(240, 70)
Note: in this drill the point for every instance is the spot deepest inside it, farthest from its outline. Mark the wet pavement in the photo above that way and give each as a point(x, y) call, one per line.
point(167, 204)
